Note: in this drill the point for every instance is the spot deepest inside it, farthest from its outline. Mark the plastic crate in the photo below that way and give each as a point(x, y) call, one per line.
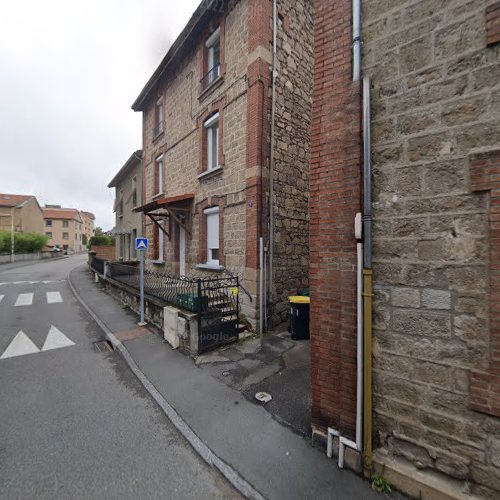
point(190, 301)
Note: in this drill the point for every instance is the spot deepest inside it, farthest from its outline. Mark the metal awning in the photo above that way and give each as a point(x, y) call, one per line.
point(178, 208)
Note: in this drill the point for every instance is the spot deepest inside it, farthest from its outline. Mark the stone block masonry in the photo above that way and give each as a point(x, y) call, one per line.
point(435, 73)
point(242, 98)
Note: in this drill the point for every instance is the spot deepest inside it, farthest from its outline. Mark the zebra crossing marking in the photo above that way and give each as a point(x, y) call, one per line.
point(24, 299)
point(54, 297)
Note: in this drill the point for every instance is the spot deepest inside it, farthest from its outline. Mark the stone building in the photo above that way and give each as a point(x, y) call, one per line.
point(128, 195)
point(434, 69)
point(21, 211)
point(208, 131)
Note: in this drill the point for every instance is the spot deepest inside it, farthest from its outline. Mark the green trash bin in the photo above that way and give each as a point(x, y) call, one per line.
point(299, 317)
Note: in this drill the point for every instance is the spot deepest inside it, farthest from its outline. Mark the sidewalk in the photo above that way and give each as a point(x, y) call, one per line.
point(254, 451)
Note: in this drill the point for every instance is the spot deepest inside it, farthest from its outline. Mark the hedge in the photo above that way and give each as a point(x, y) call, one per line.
point(101, 241)
point(23, 242)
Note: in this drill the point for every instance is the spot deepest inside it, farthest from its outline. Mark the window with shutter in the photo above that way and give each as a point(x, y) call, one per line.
point(212, 215)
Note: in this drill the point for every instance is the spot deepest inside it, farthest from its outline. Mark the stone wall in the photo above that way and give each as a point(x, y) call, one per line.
point(186, 107)
point(435, 105)
point(292, 151)
point(242, 98)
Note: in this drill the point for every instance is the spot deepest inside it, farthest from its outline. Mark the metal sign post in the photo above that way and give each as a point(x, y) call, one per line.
point(141, 245)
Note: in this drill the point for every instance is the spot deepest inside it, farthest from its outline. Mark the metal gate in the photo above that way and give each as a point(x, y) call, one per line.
point(218, 312)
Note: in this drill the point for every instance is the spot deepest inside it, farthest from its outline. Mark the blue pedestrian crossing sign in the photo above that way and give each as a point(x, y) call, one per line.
point(141, 244)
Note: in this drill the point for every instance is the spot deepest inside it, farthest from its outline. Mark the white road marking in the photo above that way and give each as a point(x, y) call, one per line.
point(56, 339)
point(20, 345)
point(30, 282)
point(24, 299)
point(1, 297)
point(53, 297)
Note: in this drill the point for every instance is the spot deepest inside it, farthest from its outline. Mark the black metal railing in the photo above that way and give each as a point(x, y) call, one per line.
point(97, 264)
point(210, 77)
point(163, 286)
point(215, 299)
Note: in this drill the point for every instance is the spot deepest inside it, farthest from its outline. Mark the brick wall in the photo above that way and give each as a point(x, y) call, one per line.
point(104, 252)
point(435, 107)
point(335, 195)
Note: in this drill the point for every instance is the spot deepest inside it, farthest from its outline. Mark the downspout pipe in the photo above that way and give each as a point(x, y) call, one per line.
point(367, 279)
point(271, 160)
point(367, 175)
point(356, 40)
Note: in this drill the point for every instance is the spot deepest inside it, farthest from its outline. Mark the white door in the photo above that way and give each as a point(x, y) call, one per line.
point(182, 251)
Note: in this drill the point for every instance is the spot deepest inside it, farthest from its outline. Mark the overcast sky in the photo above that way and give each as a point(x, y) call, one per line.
point(69, 72)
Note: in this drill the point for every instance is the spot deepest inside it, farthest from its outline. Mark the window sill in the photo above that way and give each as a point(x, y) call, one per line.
point(212, 86)
point(158, 262)
point(210, 173)
point(158, 135)
point(210, 267)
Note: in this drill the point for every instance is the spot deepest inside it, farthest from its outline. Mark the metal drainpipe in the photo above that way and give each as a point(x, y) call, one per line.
point(271, 164)
point(356, 40)
point(367, 278)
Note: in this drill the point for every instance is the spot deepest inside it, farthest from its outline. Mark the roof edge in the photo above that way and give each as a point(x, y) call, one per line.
point(178, 44)
point(135, 156)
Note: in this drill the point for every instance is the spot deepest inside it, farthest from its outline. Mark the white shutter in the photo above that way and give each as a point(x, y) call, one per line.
point(213, 230)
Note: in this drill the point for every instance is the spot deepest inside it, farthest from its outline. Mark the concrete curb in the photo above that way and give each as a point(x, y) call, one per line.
point(238, 482)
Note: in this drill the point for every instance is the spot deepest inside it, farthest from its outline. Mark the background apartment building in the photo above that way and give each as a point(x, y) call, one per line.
point(88, 220)
point(128, 195)
point(22, 212)
point(208, 125)
point(64, 228)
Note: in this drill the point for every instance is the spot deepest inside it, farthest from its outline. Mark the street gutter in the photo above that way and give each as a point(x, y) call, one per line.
point(238, 482)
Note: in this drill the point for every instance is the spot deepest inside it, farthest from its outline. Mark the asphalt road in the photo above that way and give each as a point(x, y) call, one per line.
point(75, 422)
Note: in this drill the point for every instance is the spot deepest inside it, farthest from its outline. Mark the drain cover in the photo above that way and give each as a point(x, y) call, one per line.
point(103, 346)
point(263, 397)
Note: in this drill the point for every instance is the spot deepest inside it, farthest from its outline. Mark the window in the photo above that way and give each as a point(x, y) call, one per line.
point(65, 223)
point(120, 204)
point(134, 192)
point(133, 252)
point(213, 57)
point(212, 215)
point(65, 236)
point(159, 122)
point(48, 234)
point(122, 246)
point(48, 223)
point(160, 246)
point(159, 174)
point(212, 141)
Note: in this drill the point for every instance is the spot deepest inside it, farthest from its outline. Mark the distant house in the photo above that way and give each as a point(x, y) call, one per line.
point(22, 211)
point(64, 228)
point(128, 195)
